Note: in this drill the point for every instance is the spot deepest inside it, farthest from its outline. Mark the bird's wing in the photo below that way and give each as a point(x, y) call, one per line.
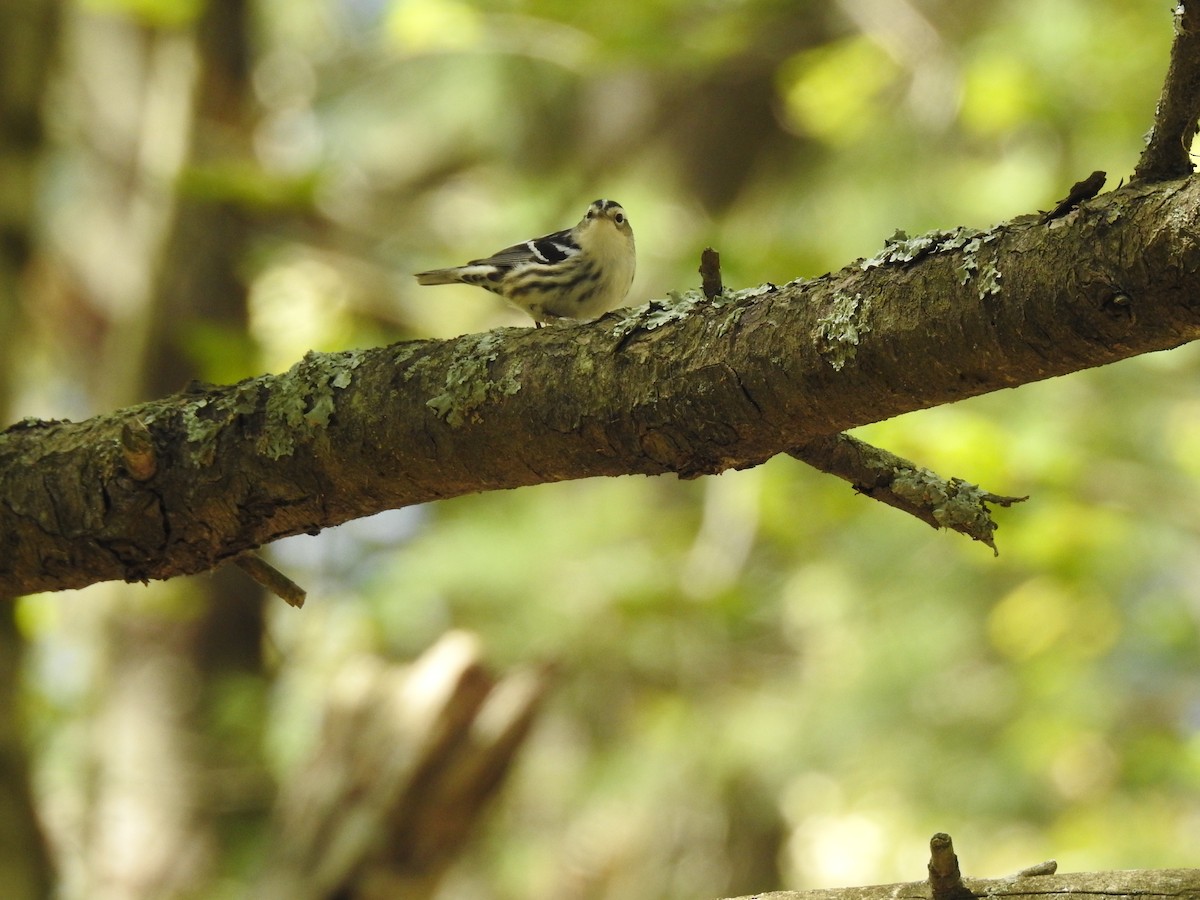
point(550, 249)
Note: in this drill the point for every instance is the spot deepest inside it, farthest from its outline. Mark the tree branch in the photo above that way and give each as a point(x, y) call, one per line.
point(1150, 884)
point(694, 386)
point(1167, 152)
point(955, 504)
point(1037, 882)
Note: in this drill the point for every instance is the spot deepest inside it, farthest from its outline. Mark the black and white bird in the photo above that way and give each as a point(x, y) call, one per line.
point(577, 273)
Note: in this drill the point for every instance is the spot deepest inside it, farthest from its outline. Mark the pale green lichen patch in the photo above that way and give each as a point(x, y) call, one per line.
point(750, 293)
point(298, 401)
point(730, 321)
point(954, 504)
point(286, 405)
point(837, 333)
point(206, 416)
point(325, 373)
point(469, 384)
point(900, 249)
point(246, 394)
point(657, 313)
point(406, 351)
point(681, 304)
point(202, 430)
point(989, 281)
point(303, 398)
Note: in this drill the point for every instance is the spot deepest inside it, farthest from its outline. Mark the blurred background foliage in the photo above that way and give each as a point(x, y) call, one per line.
point(764, 680)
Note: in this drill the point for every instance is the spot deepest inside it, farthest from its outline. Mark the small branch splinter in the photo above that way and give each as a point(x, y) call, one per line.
point(710, 273)
point(1080, 191)
point(1049, 867)
point(272, 579)
point(945, 879)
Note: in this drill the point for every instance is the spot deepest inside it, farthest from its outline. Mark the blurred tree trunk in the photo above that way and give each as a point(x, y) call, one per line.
point(407, 760)
point(199, 284)
point(31, 35)
point(166, 99)
point(25, 868)
point(139, 833)
point(199, 290)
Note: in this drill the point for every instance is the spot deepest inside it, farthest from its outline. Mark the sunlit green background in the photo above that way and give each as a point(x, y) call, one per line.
point(765, 680)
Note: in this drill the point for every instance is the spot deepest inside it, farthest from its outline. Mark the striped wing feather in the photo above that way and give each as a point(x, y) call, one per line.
point(549, 249)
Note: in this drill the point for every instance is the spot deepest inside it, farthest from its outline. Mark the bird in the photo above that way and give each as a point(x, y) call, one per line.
point(577, 273)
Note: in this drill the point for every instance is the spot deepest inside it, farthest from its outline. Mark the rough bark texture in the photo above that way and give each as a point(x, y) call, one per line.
point(691, 386)
point(1143, 884)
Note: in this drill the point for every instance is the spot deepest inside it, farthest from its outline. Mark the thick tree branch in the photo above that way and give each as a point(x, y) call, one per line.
point(693, 386)
point(1168, 146)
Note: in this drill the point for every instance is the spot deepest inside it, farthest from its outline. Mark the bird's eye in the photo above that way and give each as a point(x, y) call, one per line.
point(619, 218)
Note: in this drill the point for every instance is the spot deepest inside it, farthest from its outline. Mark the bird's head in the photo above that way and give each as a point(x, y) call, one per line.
point(605, 237)
point(604, 218)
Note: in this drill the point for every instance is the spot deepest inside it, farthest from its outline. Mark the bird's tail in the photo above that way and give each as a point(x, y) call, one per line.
point(438, 276)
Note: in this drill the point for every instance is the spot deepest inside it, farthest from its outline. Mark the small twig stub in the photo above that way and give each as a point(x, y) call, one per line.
point(1080, 191)
point(272, 579)
point(945, 879)
point(710, 273)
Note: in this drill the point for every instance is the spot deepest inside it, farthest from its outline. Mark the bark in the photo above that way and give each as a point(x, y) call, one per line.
point(691, 386)
point(1143, 884)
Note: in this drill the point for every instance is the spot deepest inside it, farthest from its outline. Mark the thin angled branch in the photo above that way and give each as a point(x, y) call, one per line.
point(1166, 155)
point(881, 475)
point(272, 579)
point(692, 386)
point(955, 504)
